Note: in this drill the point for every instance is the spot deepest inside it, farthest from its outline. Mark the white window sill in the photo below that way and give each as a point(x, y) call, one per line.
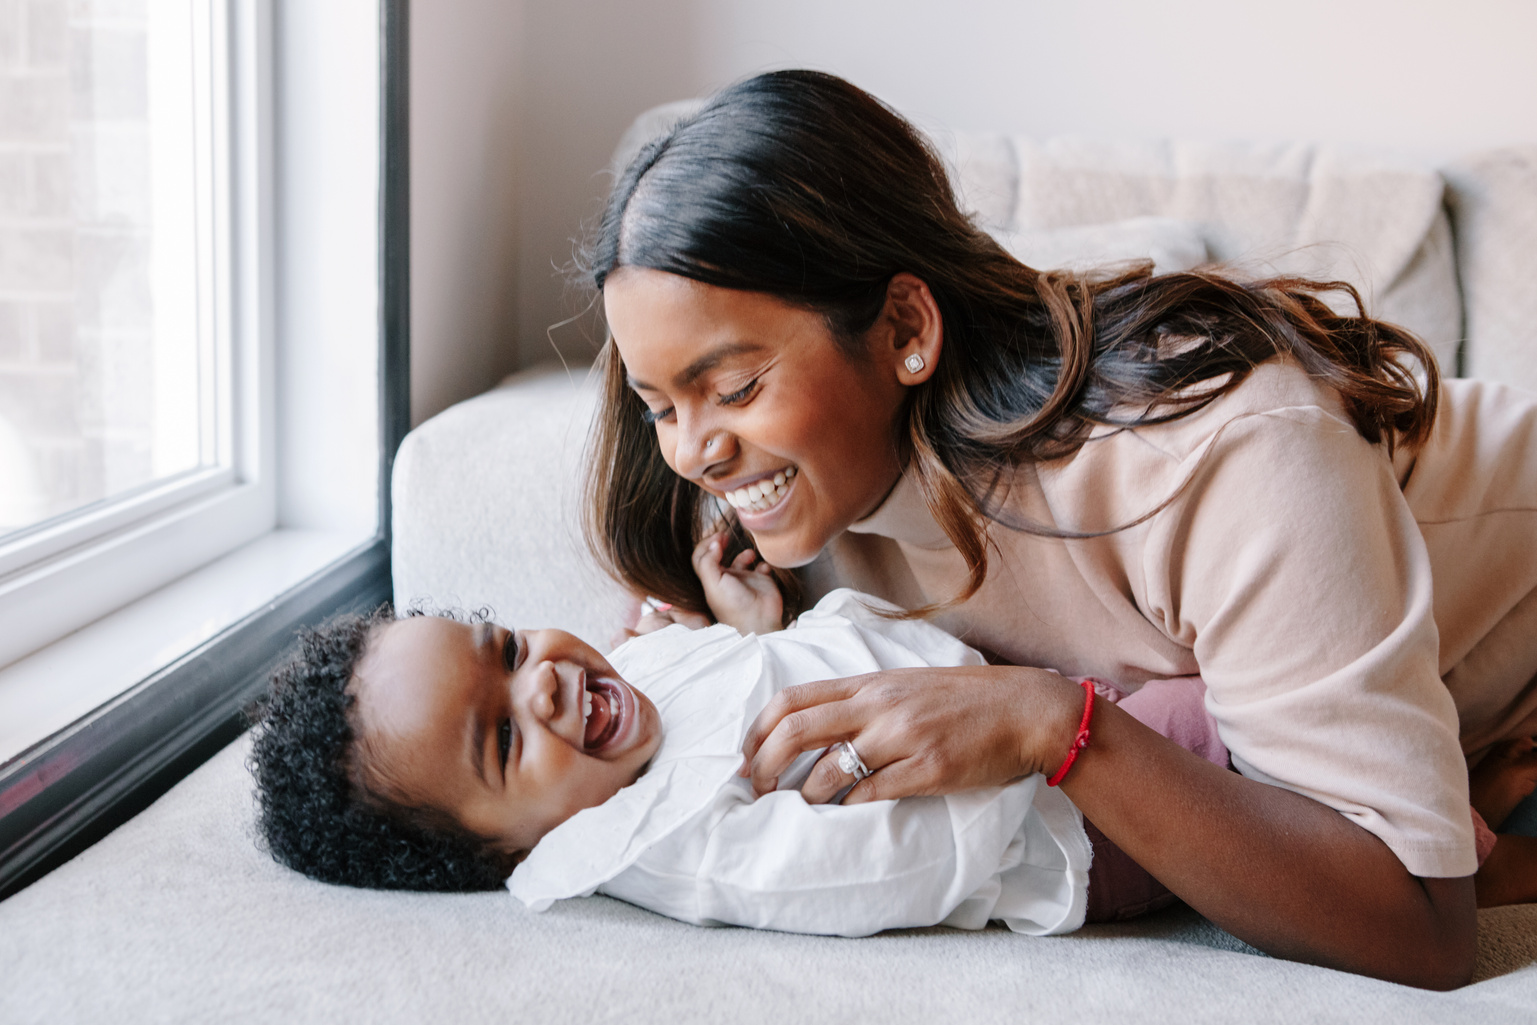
point(53, 687)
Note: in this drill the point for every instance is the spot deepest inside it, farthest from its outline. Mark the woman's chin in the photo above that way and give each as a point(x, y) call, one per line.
point(787, 551)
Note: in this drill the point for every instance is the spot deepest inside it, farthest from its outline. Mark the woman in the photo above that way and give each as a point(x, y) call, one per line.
point(1126, 476)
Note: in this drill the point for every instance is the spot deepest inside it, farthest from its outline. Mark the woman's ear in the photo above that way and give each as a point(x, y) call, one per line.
point(917, 330)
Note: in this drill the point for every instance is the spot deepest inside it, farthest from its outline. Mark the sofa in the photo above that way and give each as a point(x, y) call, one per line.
point(178, 916)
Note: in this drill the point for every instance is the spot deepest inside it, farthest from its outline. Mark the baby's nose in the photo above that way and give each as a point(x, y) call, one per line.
point(543, 693)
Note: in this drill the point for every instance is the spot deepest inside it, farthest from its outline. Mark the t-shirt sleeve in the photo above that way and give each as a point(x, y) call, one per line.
point(1294, 569)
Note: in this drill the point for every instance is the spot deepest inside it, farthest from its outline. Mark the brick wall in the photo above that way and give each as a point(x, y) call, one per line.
point(76, 370)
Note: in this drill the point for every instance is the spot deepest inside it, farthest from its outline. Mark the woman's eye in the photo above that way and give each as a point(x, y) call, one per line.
point(740, 396)
point(653, 416)
point(512, 652)
point(504, 741)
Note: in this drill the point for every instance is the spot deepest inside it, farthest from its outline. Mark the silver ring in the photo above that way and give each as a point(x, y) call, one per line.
point(850, 762)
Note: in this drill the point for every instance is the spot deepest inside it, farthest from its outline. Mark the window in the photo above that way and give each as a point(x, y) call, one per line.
point(222, 326)
point(111, 383)
point(120, 458)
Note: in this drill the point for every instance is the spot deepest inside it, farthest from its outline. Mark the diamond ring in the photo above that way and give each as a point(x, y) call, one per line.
point(850, 762)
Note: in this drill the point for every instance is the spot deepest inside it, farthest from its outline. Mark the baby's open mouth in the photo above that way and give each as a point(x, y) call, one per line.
point(602, 714)
point(763, 494)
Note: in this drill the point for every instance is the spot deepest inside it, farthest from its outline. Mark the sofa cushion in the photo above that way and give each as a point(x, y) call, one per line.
point(1171, 244)
point(1493, 201)
point(1314, 211)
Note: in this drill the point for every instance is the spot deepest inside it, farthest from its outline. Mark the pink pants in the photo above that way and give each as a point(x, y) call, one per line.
point(1120, 888)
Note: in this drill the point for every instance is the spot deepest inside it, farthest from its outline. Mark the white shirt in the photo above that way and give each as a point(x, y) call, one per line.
point(687, 840)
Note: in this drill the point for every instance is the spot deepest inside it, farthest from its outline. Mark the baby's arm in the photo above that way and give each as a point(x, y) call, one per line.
point(742, 594)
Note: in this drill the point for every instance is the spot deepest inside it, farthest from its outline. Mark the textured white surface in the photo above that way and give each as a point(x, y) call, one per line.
point(178, 917)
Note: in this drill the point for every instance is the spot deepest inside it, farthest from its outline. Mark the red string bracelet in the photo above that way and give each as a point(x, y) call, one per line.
point(1082, 740)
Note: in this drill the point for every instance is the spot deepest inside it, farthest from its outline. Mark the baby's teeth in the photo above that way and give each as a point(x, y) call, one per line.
point(586, 705)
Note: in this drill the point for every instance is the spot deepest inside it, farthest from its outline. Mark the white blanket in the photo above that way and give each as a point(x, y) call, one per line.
point(688, 840)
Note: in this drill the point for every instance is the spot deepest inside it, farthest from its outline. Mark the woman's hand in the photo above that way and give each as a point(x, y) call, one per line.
point(919, 731)
point(742, 594)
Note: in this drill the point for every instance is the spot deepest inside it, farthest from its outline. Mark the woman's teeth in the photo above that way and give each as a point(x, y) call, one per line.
point(763, 494)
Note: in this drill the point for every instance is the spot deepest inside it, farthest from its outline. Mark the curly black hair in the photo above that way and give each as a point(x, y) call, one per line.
point(313, 813)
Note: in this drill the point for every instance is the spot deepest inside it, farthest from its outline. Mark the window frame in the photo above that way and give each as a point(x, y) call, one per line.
point(67, 791)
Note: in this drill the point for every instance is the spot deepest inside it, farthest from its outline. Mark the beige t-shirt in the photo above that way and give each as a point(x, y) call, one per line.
point(1294, 574)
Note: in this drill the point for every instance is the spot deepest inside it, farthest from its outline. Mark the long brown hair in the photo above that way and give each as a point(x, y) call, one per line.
point(801, 186)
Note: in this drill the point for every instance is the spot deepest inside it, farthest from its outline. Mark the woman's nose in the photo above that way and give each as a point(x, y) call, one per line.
point(701, 445)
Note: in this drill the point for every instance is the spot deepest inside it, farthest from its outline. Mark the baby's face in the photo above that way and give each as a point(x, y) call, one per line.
point(509, 733)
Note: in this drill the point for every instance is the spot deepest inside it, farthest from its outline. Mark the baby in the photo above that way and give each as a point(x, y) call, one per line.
point(427, 753)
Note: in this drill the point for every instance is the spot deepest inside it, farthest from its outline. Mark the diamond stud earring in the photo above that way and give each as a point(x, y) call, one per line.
point(913, 363)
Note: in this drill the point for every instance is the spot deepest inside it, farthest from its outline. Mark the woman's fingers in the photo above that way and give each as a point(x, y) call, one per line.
point(904, 778)
point(827, 778)
point(919, 731)
point(799, 718)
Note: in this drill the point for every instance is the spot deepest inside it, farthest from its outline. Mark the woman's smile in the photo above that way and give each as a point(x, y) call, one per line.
point(760, 496)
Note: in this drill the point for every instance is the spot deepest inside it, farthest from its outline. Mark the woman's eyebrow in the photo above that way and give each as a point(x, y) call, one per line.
point(703, 365)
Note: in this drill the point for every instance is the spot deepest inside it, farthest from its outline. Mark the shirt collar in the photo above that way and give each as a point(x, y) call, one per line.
point(904, 516)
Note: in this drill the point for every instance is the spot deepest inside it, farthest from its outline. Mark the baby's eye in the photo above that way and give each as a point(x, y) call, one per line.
point(512, 651)
point(504, 742)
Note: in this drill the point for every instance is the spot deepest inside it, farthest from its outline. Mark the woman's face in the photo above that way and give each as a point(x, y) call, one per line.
point(753, 401)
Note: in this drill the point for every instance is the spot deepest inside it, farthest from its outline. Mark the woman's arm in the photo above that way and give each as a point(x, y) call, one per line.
point(1276, 869)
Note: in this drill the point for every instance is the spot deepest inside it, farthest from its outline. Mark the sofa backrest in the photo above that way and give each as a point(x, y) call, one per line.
point(1374, 221)
point(1492, 197)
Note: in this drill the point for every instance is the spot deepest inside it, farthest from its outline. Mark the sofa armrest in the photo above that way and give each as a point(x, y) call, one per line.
point(487, 514)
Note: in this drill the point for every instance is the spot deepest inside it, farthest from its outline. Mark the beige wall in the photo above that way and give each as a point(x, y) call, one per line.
point(467, 63)
point(1432, 77)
